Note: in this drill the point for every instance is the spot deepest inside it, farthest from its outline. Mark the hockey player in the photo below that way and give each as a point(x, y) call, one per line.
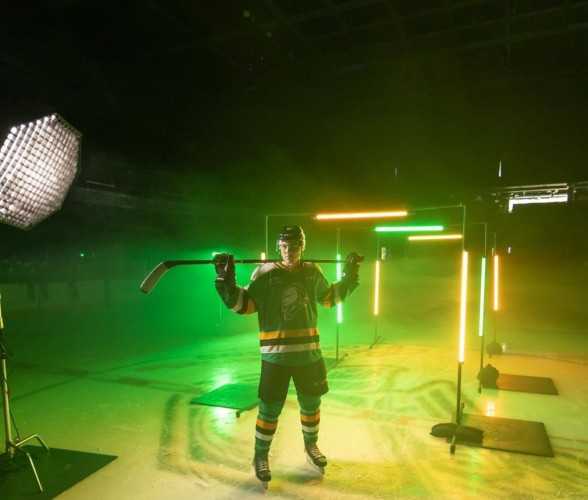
point(284, 295)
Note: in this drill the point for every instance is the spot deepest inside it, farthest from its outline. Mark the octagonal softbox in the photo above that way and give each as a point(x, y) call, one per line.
point(38, 163)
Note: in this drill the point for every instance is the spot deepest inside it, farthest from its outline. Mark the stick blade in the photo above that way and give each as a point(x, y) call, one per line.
point(153, 277)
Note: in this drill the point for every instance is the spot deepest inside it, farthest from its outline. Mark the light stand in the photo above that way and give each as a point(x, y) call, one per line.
point(494, 347)
point(14, 445)
point(38, 163)
point(482, 311)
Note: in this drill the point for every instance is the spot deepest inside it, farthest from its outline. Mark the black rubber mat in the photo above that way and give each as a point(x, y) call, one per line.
point(507, 434)
point(58, 471)
point(524, 383)
point(235, 396)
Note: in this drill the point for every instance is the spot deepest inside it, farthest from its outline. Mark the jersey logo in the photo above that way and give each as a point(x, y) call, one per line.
point(295, 302)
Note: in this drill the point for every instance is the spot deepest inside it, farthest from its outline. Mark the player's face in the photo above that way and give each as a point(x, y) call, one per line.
point(291, 252)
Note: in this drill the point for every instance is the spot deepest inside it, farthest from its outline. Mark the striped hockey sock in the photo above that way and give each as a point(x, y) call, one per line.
point(266, 425)
point(310, 417)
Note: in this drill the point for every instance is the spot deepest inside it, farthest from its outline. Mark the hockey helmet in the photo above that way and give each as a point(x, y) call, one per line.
point(292, 235)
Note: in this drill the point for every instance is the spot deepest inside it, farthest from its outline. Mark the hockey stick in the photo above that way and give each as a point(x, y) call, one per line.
point(154, 276)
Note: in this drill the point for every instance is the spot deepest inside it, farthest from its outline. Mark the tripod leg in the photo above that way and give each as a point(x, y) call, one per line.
point(18, 447)
point(452, 445)
point(40, 439)
point(32, 464)
point(30, 438)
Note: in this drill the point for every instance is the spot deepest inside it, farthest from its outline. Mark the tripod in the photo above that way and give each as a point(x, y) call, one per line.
point(14, 445)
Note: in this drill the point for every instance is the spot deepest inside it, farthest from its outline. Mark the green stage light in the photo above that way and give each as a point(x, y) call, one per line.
point(463, 305)
point(407, 229)
point(482, 297)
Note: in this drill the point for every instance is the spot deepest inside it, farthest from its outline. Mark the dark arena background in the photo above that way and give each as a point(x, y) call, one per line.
point(458, 369)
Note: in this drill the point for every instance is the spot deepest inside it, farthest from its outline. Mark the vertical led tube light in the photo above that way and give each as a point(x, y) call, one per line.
point(377, 289)
point(262, 255)
point(496, 281)
point(482, 297)
point(340, 304)
point(463, 306)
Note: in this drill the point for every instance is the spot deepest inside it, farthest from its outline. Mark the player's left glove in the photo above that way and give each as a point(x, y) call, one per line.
point(351, 271)
point(224, 265)
point(225, 282)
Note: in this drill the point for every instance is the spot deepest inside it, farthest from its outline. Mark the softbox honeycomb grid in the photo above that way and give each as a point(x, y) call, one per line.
point(38, 163)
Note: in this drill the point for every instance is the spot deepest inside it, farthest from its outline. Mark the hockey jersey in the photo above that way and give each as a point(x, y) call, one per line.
point(286, 303)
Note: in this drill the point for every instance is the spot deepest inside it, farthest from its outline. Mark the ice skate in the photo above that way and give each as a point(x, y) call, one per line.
point(315, 457)
point(262, 470)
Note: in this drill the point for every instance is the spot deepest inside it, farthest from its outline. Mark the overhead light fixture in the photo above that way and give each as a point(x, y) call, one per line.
point(407, 229)
point(361, 215)
point(435, 237)
point(531, 200)
point(38, 163)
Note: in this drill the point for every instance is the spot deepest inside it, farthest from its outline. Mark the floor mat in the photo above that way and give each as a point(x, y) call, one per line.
point(58, 471)
point(519, 436)
point(524, 383)
point(238, 397)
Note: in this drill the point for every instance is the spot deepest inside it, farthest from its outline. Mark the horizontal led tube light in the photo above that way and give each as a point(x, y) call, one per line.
point(530, 200)
point(407, 229)
point(435, 237)
point(361, 215)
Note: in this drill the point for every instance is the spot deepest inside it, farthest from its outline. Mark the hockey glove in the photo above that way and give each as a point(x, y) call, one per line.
point(351, 272)
point(224, 265)
point(225, 282)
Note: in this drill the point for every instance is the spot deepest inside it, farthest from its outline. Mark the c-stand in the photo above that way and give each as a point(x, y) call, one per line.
point(13, 445)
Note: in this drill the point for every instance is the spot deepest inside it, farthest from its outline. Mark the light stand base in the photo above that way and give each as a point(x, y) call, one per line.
point(14, 447)
point(457, 433)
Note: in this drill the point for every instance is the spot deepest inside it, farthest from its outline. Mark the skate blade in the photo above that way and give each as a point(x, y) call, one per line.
point(316, 468)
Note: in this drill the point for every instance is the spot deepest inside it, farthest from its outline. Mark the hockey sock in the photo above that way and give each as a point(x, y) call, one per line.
point(310, 417)
point(266, 425)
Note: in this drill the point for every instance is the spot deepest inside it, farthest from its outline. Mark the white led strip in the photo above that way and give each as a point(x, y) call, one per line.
point(531, 200)
point(38, 163)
